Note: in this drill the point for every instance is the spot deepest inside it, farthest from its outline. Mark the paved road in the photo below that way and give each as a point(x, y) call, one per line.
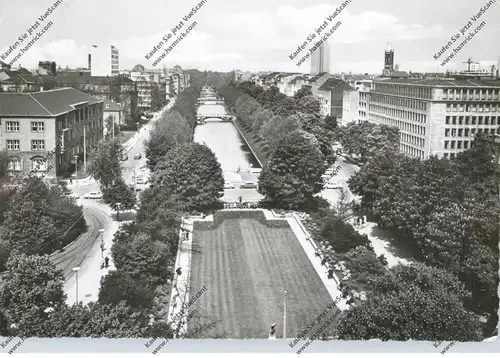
point(345, 172)
point(76, 252)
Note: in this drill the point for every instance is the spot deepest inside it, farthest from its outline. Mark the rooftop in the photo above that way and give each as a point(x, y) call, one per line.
point(43, 104)
point(317, 77)
point(332, 83)
point(441, 82)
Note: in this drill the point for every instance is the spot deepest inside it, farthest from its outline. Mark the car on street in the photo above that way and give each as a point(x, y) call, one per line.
point(229, 185)
point(131, 186)
point(248, 185)
point(137, 156)
point(334, 184)
point(141, 180)
point(124, 157)
point(93, 195)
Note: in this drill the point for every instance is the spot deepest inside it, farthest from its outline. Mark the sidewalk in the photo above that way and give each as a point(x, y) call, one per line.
point(308, 246)
point(381, 245)
point(178, 312)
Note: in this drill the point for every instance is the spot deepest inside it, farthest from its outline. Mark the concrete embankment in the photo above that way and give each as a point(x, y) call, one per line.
point(258, 149)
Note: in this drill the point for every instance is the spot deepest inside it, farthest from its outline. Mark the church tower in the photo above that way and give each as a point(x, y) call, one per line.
point(388, 59)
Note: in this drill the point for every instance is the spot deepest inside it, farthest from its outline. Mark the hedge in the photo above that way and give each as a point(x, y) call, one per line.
point(220, 216)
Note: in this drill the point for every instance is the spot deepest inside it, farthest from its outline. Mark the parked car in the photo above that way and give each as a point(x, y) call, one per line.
point(93, 195)
point(124, 157)
point(229, 185)
point(73, 195)
point(136, 189)
point(248, 185)
point(141, 180)
point(137, 156)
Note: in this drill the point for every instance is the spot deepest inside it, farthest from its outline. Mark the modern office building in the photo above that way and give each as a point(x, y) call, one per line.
point(436, 116)
point(33, 124)
point(320, 59)
point(104, 60)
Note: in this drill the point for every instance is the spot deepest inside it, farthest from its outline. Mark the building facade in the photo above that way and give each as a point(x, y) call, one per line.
point(61, 121)
point(104, 61)
point(436, 117)
point(320, 59)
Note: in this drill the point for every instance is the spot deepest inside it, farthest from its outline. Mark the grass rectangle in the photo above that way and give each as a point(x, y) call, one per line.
point(246, 266)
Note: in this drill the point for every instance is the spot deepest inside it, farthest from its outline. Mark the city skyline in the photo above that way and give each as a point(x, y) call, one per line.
point(255, 36)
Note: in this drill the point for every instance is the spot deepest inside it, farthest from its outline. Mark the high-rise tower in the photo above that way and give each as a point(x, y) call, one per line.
point(388, 59)
point(320, 59)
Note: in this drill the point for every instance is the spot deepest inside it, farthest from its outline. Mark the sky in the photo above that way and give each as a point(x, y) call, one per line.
point(253, 35)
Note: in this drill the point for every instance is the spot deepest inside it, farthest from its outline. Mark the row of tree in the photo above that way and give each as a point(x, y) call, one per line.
point(184, 176)
point(35, 216)
point(298, 137)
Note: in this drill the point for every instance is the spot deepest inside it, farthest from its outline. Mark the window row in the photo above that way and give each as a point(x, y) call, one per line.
point(411, 139)
point(469, 93)
point(399, 102)
point(472, 108)
point(414, 152)
point(37, 163)
point(457, 144)
point(399, 113)
point(404, 90)
point(13, 126)
point(467, 132)
point(473, 120)
point(36, 144)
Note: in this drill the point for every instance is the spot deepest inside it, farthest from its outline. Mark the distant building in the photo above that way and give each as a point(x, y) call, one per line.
point(114, 111)
point(320, 59)
point(32, 124)
point(50, 67)
point(331, 94)
point(388, 60)
point(104, 61)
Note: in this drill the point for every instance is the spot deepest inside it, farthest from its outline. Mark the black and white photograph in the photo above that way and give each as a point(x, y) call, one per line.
point(307, 176)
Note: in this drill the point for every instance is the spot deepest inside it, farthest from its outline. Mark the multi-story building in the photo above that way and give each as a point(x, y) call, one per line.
point(112, 111)
point(104, 61)
point(330, 95)
point(320, 59)
point(56, 121)
point(350, 107)
point(436, 117)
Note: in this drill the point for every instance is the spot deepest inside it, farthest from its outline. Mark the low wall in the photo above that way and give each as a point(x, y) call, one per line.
point(258, 151)
point(220, 216)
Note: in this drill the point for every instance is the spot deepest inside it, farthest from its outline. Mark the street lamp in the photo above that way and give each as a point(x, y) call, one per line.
point(118, 211)
point(284, 318)
point(76, 167)
point(101, 234)
point(76, 269)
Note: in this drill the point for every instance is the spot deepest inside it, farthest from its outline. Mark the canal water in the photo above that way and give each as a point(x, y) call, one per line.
point(224, 140)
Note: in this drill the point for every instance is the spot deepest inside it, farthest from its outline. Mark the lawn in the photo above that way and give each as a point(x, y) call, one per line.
point(245, 267)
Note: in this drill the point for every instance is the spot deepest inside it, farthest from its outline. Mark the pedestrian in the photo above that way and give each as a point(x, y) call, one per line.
point(106, 262)
point(364, 219)
point(71, 181)
point(330, 273)
point(178, 271)
point(187, 235)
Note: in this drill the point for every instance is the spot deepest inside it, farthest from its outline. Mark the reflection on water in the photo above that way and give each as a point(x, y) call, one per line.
point(224, 140)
